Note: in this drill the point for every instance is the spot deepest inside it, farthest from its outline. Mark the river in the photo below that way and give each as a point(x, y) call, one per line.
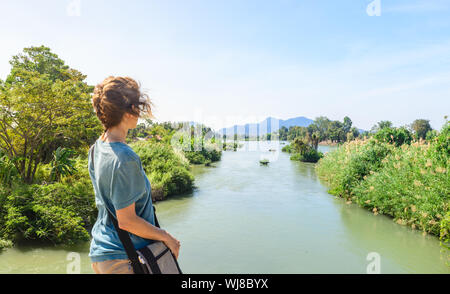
point(244, 217)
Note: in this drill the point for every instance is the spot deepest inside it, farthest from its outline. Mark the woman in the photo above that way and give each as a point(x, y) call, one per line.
point(119, 181)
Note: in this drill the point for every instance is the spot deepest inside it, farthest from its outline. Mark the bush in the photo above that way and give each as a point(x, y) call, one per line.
point(287, 148)
point(168, 170)
point(210, 152)
point(5, 244)
point(397, 136)
point(408, 183)
point(60, 212)
point(8, 171)
point(346, 166)
point(445, 228)
point(310, 155)
point(411, 187)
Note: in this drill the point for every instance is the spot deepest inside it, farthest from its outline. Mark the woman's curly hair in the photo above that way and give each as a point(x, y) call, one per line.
point(117, 95)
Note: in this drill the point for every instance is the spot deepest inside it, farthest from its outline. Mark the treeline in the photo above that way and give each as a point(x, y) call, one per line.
point(322, 129)
point(326, 130)
point(305, 140)
point(47, 125)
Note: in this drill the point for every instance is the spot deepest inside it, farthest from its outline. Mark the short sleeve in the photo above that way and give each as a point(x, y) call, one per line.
point(127, 184)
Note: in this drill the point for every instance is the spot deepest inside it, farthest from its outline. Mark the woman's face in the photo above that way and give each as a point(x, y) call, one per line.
point(132, 119)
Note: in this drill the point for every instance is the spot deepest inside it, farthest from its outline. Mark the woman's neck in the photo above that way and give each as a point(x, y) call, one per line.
point(115, 134)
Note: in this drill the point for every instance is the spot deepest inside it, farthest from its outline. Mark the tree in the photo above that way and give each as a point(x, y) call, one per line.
point(313, 136)
point(296, 131)
point(44, 104)
point(421, 128)
point(355, 132)
point(283, 131)
point(336, 131)
point(347, 125)
point(299, 145)
point(323, 124)
point(381, 125)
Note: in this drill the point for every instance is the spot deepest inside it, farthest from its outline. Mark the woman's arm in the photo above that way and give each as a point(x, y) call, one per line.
point(129, 221)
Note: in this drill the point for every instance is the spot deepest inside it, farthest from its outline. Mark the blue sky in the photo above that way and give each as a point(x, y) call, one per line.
point(237, 61)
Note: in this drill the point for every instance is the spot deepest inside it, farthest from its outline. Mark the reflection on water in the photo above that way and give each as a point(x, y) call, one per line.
point(244, 217)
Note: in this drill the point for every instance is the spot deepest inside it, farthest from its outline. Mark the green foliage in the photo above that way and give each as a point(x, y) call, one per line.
point(445, 228)
point(421, 127)
point(62, 164)
point(409, 183)
point(351, 163)
point(441, 146)
point(203, 155)
point(311, 155)
point(322, 129)
point(303, 152)
point(287, 148)
point(431, 135)
point(60, 212)
point(168, 170)
point(336, 131)
point(44, 104)
point(5, 244)
point(264, 161)
point(381, 125)
point(412, 187)
point(8, 171)
point(397, 136)
point(200, 150)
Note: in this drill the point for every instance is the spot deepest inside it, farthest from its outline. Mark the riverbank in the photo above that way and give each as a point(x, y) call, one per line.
point(408, 183)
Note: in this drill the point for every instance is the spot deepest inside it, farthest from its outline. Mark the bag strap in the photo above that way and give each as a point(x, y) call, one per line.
point(124, 235)
point(128, 246)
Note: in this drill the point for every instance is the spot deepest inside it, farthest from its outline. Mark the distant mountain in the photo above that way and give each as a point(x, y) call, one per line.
point(268, 125)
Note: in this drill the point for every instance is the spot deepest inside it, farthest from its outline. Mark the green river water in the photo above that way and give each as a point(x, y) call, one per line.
point(244, 217)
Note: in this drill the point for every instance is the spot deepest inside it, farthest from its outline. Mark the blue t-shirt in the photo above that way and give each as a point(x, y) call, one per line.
point(119, 181)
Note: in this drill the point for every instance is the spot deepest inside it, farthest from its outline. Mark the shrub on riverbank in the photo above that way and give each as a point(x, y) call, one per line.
point(412, 187)
point(59, 212)
point(287, 148)
point(305, 154)
point(310, 155)
point(409, 183)
point(5, 244)
point(168, 171)
point(205, 155)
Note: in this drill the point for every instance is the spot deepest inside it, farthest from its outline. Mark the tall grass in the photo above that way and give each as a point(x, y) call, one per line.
point(409, 183)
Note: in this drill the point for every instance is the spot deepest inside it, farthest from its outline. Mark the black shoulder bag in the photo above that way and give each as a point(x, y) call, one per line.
point(155, 258)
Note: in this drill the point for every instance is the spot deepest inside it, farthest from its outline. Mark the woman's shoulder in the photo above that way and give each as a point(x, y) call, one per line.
point(127, 154)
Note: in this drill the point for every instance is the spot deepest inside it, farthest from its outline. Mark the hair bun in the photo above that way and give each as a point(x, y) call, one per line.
point(114, 97)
